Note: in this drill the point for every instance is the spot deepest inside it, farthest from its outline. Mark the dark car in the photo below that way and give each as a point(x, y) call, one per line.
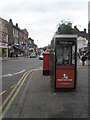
point(33, 55)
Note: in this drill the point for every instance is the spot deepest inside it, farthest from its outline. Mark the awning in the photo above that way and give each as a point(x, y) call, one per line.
point(17, 47)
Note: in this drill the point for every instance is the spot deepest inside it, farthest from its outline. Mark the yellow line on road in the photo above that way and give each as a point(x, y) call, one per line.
point(13, 85)
point(12, 99)
point(12, 91)
point(9, 104)
point(2, 92)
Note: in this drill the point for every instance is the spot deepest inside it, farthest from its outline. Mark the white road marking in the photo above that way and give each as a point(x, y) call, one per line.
point(9, 75)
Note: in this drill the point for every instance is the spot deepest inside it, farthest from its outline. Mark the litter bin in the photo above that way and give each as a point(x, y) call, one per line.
point(46, 63)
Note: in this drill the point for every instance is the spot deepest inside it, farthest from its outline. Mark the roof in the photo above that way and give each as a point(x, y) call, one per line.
point(17, 47)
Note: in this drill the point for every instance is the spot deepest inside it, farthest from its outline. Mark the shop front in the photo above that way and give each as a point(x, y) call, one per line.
point(3, 50)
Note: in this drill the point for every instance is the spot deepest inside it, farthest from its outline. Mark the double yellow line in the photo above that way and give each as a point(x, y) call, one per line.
point(2, 92)
point(13, 93)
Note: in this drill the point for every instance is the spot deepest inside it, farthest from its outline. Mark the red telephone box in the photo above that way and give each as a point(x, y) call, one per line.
point(63, 61)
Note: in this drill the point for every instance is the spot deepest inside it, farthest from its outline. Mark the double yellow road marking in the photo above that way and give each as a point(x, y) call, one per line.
point(13, 93)
point(2, 92)
point(13, 86)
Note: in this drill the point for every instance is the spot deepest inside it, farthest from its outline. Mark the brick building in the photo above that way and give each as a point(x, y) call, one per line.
point(89, 29)
point(31, 44)
point(3, 38)
point(15, 35)
point(21, 37)
point(17, 38)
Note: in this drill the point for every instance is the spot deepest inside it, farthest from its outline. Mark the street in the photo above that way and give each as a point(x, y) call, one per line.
point(33, 96)
point(12, 70)
point(44, 59)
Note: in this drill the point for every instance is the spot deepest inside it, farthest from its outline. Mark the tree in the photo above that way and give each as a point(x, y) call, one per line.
point(65, 27)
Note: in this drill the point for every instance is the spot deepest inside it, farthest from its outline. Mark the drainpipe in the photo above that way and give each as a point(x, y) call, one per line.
point(7, 45)
point(1, 46)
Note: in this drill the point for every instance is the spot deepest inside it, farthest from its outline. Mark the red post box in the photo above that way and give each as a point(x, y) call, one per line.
point(46, 63)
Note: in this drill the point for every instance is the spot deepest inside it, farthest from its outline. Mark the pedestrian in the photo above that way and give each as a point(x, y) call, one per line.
point(11, 54)
point(83, 58)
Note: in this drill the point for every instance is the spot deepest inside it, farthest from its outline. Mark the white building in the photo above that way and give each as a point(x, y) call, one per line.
point(81, 43)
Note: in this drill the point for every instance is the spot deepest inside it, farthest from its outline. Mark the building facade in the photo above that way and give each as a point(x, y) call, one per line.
point(82, 44)
point(21, 38)
point(31, 44)
point(15, 34)
point(3, 39)
point(89, 29)
point(12, 39)
point(82, 40)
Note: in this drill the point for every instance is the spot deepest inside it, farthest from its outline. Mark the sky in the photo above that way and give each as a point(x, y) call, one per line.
point(41, 17)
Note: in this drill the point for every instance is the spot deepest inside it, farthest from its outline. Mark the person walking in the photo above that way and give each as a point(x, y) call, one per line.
point(83, 58)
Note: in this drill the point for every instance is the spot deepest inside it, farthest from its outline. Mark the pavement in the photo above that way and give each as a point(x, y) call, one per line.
point(79, 62)
point(36, 99)
point(8, 58)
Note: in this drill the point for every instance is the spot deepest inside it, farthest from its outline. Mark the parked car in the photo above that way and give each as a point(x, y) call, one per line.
point(33, 55)
point(41, 56)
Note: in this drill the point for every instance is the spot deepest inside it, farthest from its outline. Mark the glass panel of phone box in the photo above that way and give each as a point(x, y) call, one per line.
point(65, 52)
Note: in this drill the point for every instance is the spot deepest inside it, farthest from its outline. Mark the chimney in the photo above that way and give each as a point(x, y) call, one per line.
point(10, 21)
point(17, 25)
point(84, 30)
point(75, 27)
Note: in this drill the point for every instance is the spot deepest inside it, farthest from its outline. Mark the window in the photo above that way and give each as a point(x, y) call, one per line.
point(65, 54)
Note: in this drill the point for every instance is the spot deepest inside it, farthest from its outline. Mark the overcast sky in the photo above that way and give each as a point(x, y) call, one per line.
point(41, 17)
